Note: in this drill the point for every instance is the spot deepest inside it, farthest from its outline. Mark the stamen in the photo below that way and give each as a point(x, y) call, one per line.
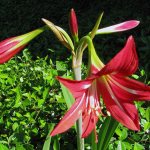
point(97, 108)
point(97, 113)
point(96, 138)
point(89, 111)
point(92, 101)
point(79, 112)
point(108, 113)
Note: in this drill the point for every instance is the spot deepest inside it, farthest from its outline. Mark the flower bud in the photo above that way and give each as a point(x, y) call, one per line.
point(73, 23)
point(11, 46)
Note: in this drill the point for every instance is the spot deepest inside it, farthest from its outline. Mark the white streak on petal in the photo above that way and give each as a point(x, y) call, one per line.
point(123, 87)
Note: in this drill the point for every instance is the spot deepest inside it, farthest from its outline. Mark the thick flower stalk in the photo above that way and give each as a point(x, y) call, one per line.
point(11, 46)
point(111, 82)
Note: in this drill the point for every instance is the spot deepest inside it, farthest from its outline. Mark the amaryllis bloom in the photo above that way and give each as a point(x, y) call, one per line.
point(11, 46)
point(73, 23)
point(111, 82)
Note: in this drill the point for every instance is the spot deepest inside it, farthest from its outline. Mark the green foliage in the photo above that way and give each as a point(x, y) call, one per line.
point(47, 142)
point(28, 101)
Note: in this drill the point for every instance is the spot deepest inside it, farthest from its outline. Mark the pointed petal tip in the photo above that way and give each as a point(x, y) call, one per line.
point(47, 21)
point(72, 9)
point(134, 22)
point(59, 78)
point(127, 25)
point(134, 127)
point(138, 22)
point(131, 38)
point(44, 20)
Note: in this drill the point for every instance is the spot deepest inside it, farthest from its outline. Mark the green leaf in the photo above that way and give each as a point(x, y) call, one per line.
point(19, 146)
point(47, 142)
point(40, 102)
point(142, 72)
point(147, 114)
point(106, 132)
point(135, 76)
point(68, 96)
point(138, 146)
point(3, 147)
point(61, 66)
point(15, 126)
point(45, 93)
point(56, 145)
point(121, 146)
point(35, 130)
point(102, 133)
point(93, 140)
point(146, 126)
point(18, 96)
point(122, 133)
point(90, 142)
point(93, 32)
point(128, 145)
point(3, 76)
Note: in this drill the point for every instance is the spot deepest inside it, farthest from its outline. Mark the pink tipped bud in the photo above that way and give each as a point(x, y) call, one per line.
point(11, 46)
point(73, 23)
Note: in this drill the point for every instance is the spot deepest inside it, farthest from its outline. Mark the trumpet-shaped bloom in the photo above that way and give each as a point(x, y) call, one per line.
point(11, 46)
point(111, 82)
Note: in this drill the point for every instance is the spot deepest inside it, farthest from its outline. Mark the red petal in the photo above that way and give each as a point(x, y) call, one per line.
point(124, 112)
point(125, 62)
point(5, 56)
point(77, 88)
point(7, 44)
point(92, 111)
point(89, 123)
point(128, 117)
point(130, 89)
point(127, 25)
point(70, 117)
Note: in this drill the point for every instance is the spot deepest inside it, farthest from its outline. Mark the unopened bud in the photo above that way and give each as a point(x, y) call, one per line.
point(73, 23)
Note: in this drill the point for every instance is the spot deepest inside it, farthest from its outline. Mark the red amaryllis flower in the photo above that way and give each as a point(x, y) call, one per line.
point(11, 46)
point(111, 82)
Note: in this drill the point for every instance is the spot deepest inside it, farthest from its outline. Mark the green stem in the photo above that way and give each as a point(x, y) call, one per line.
point(77, 61)
point(80, 141)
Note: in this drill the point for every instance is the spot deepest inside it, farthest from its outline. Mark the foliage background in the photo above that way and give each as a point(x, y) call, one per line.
point(30, 97)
